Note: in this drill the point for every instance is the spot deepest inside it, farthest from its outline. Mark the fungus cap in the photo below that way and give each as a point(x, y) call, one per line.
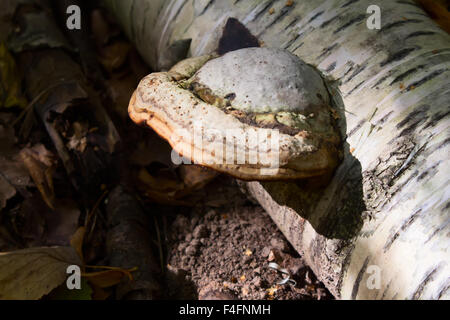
point(253, 120)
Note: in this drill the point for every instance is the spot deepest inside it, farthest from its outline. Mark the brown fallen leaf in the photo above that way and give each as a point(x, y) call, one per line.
point(7, 191)
point(62, 222)
point(195, 176)
point(40, 164)
point(120, 90)
point(29, 274)
point(10, 91)
point(101, 28)
point(114, 55)
point(14, 176)
point(107, 278)
point(77, 241)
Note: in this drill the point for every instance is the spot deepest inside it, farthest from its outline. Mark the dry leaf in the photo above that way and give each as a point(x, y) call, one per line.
point(10, 91)
point(29, 274)
point(7, 191)
point(107, 278)
point(40, 164)
point(113, 56)
point(77, 241)
point(61, 223)
point(195, 176)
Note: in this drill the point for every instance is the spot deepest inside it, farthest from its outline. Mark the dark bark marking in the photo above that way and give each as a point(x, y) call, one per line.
point(266, 7)
point(331, 67)
point(298, 46)
point(235, 36)
point(398, 24)
point(404, 226)
point(408, 3)
point(352, 65)
point(438, 147)
point(359, 278)
point(358, 70)
point(430, 171)
point(356, 87)
point(179, 10)
point(427, 78)
point(358, 126)
point(292, 41)
point(352, 21)
point(418, 14)
point(208, 5)
point(420, 33)
point(328, 50)
point(386, 289)
point(397, 56)
point(444, 289)
point(399, 187)
point(428, 278)
point(441, 227)
point(382, 79)
point(323, 25)
point(291, 23)
point(406, 74)
point(416, 114)
point(408, 130)
point(437, 117)
point(314, 17)
point(384, 119)
point(349, 3)
point(278, 18)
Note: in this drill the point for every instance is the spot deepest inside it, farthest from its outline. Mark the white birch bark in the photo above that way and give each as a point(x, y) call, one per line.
point(387, 206)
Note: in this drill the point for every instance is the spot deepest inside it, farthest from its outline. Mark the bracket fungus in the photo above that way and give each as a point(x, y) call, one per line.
point(253, 113)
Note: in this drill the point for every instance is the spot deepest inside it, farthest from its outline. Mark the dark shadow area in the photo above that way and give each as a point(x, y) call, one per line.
point(333, 205)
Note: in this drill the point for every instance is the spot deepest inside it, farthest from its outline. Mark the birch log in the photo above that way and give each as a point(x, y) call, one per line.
point(386, 210)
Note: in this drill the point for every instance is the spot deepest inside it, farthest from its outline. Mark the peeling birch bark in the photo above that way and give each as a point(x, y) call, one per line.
point(386, 208)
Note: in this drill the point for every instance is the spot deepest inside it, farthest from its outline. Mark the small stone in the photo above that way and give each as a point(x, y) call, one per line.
point(256, 281)
point(182, 246)
point(279, 244)
point(188, 237)
point(265, 252)
point(245, 290)
point(191, 250)
point(200, 232)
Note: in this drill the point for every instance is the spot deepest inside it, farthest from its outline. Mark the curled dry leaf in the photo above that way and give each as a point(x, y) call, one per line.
point(40, 164)
point(196, 177)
